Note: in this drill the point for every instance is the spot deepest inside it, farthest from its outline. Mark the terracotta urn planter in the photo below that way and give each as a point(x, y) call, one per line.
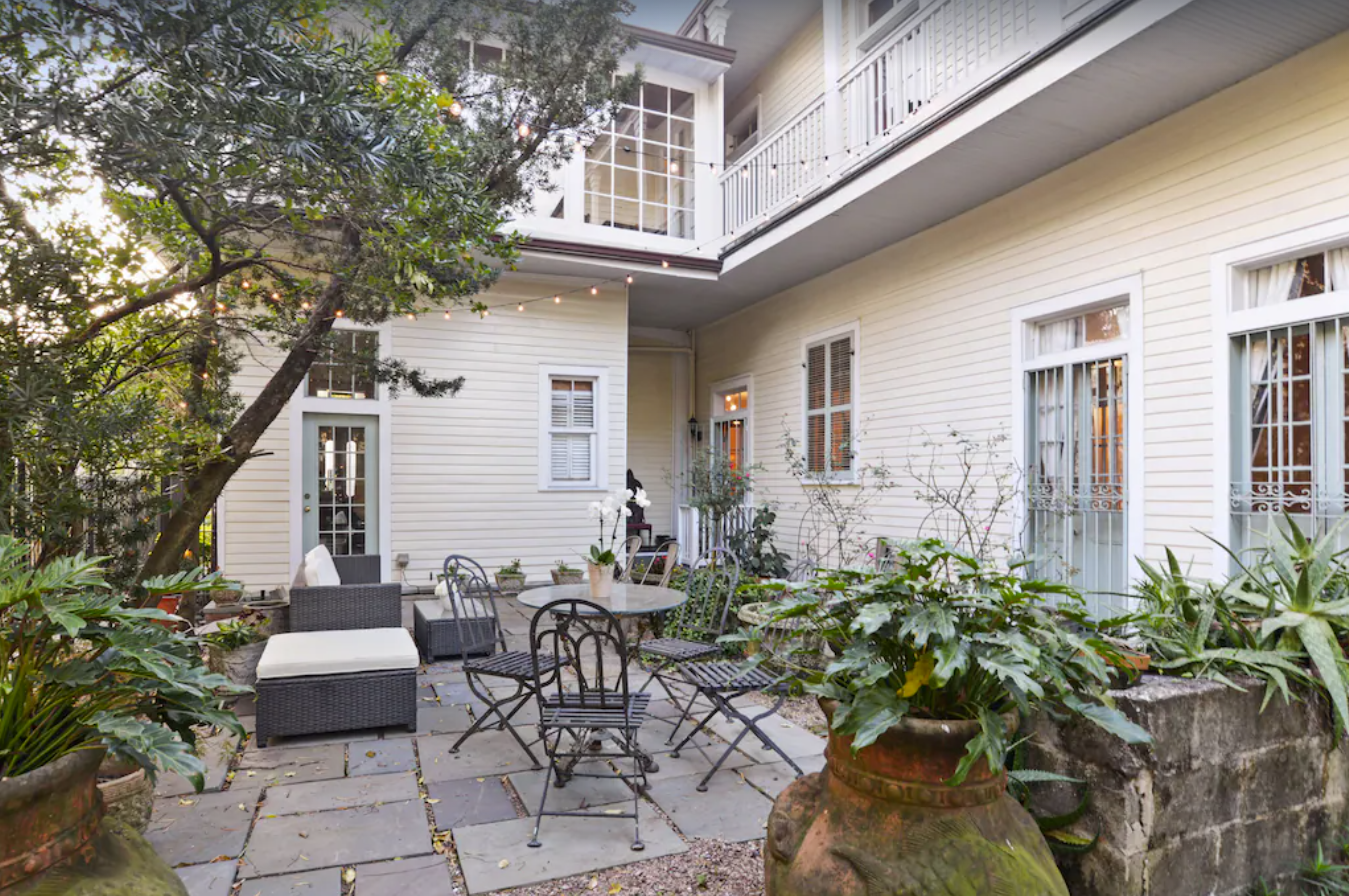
point(883, 822)
point(55, 840)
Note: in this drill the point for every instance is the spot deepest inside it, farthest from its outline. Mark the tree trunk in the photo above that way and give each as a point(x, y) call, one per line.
point(202, 488)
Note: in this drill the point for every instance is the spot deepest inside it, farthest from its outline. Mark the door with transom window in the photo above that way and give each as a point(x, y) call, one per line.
point(341, 484)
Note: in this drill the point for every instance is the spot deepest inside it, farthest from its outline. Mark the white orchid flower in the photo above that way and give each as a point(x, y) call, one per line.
point(627, 511)
point(641, 499)
point(627, 495)
point(608, 512)
point(594, 510)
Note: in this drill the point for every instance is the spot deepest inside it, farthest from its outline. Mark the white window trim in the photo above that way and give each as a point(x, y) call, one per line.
point(1227, 271)
point(547, 372)
point(1027, 316)
point(718, 389)
point(853, 329)
point(869, 36)
point(381, 408)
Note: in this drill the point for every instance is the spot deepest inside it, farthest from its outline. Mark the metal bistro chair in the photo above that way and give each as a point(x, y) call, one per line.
point(630, 549)
point(478, 629)
point(597, 700)
point(711, 586)
point(668, 556)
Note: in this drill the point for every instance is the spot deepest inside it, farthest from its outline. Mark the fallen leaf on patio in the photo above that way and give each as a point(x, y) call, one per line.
point(615, 888)
point(251, 773)
point(349, 875)
point(594, 883)
point(290, 774)
point(480, 780)
point(433, 802)
point(429, 699)
point(438, 846)
point(503, 863)
point(304, 834)
point(304, 858)
point(613, 811)
point(370, 754)
point(186, 802)
point(243, 808)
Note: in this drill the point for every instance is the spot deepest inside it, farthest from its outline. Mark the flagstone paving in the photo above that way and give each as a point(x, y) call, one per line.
point(396, 814)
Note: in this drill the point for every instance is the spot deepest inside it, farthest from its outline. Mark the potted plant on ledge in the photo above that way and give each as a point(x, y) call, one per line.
point(82, 674)
point(511, 578)
point(567, 575)
point(235, 647)
point(934, 660)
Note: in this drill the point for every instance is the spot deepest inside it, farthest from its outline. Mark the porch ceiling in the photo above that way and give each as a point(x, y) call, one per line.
point(1200, 49)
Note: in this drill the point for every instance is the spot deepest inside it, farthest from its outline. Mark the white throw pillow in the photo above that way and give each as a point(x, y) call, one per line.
point(459, 606)
point(319, 569)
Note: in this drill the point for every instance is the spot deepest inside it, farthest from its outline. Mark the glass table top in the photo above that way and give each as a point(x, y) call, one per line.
point(627, 599)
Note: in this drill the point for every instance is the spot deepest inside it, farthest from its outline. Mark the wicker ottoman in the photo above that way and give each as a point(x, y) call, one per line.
point(440, 632)
point(316, 682)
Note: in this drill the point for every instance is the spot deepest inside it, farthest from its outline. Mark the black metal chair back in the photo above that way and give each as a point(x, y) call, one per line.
point(589, 639)
point(711, 586)
point(473, 605)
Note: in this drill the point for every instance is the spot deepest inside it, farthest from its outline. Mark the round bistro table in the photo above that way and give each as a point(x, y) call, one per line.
point(627, 600)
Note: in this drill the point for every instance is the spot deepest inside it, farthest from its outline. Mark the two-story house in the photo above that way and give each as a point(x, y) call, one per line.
point(1115, 230)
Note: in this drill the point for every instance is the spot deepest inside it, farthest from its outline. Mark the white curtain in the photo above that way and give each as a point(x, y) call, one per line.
point(1269, 286)
point(1057, 336)
point(1337, 266)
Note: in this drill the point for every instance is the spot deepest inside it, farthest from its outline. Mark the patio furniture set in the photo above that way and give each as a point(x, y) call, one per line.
point(349, 664)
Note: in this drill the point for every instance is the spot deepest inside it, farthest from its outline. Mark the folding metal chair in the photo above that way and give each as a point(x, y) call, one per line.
point(711, 586)
point(668, 557)
point(630, 549)
point(593, 699)
point(473, 602)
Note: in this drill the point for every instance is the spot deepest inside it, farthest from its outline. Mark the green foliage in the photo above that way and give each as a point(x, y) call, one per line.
point(235, 633)
point(1319, 877)
point(943, 635)
point(563, 569)
point(1280, 620)
point(512, 569)
point(714, 485)
point(78, 669)
point(1022, 784)
point(754, 547)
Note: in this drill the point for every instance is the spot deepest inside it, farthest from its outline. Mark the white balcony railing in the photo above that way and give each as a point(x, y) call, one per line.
point(954, 46)
point(772, 175)
point(696, 533)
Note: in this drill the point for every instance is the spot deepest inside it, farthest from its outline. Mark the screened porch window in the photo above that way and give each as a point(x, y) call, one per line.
point(1290, 404)
point(829, 408)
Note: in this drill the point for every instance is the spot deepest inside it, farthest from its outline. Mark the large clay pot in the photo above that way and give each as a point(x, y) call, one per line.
point(54, 840)
point(128, 795)
point(882, 822)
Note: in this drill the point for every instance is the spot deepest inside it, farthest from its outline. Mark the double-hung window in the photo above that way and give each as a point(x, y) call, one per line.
point(1288, 368)
point(830, 367)
point(345, 368)
point(571, 431)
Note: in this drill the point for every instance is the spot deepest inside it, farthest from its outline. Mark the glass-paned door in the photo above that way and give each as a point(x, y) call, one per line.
point(341, 484)
point(1077, 498)
point(730, 426)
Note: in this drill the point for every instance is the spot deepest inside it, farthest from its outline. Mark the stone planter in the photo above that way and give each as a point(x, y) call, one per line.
point(568, 578)
point(883, 821)
point(226, 597)
point(128, 795)
point(275, 614)
point(239, 665)
point(811, 650)
point(510, 583)
point(55, 841)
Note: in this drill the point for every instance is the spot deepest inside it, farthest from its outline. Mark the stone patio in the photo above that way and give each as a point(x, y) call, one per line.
point(379, 813)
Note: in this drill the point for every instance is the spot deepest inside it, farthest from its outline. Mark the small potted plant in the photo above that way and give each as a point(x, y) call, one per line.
point(610, 513)
point(935, 659)
point(567, 575)
point(511, 578)
point(235, 647)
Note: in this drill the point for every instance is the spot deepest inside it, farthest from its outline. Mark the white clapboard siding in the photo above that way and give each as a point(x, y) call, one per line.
point(792, 80)
point(1262, 158)
point(651, 432)
point(465, 470)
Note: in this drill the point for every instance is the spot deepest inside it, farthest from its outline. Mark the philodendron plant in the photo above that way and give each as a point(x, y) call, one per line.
point(945, 636)
point(81, 667)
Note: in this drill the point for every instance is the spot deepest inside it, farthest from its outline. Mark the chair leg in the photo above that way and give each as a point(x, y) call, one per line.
point(637, 791)
point(534, 842)
point(726, 708)
point(520, 697)
point(694, 733)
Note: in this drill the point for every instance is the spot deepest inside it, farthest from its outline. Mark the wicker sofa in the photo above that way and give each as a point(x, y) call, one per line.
point(347, 663)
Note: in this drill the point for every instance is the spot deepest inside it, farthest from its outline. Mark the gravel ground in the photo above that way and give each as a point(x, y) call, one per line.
point(709, 868)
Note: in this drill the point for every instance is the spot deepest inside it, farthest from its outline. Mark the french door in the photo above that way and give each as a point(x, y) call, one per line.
point(341, 484)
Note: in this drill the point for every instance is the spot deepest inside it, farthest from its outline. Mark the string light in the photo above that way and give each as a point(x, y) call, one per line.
point(456, 109)
point(246, 284)
point(447, 315)
point(276, 296)
point(674, 167)
point(382, 78)
point(520, 307)
point(219, 306)
point(594, 290)
point(338, 313)
point(304, 306)
point(665, 262)
point(412, 317)
point(629, 279)
point(557, 300)
point(744, 172)
point(523, 130)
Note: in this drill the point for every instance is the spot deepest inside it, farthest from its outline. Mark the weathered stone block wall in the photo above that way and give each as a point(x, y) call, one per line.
point(1225, 796)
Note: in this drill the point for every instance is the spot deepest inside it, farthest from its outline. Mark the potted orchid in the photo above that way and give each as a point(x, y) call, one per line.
point(611, 512)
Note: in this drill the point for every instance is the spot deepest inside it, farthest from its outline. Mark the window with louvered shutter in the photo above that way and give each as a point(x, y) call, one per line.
point(829, 407)
point(572, 431)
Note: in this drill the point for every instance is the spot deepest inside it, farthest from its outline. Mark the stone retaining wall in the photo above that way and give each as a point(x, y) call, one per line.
point(1225, 796)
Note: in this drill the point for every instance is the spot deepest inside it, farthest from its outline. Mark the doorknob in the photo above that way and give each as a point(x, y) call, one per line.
point(306, 508)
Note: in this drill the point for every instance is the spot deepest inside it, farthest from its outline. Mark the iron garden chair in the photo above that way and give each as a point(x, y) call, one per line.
point(594, 698)
point(478, 630)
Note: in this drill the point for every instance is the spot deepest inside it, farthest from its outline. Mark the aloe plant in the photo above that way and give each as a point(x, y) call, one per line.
point(80, 669)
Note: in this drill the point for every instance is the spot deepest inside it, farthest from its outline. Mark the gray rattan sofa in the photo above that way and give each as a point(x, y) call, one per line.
point(347, 663)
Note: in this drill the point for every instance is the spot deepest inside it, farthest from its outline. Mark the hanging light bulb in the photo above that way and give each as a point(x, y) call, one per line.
point(594, 290)
point(338, 313)
point(520, 307)
point(773, 172)
point(456, 109)
point(487, 312)
point(382, 78)
point(219, 306)
point(744, 172)
point(674, 167)
point(411, 316)
point(276, 296)
point(447, 315)
point(247, 284)
point(557, 300)
point(523, 130)
point(630, 279)
point(665, 262)
point(304, 305)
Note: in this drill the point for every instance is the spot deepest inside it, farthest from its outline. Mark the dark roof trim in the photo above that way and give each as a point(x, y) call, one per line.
point(934, 123)
point(619, 253)
point(687, 45)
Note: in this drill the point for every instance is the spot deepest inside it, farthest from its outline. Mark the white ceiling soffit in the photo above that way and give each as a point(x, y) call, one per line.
point(759, 30)
point(1204, 47)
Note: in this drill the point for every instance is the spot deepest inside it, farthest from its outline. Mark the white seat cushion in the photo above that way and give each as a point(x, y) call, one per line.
point(319, 569)
point(333, 653)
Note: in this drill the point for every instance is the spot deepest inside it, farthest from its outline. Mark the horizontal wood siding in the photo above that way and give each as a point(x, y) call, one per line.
point(651, 432)
point(790, 82)
point(1264, 157)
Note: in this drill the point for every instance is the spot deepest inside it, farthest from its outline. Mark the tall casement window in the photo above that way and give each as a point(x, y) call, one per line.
point(1075, 374)
point(1289, 376)
point(830, 371)
point(639, 170)
point(346, 368)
